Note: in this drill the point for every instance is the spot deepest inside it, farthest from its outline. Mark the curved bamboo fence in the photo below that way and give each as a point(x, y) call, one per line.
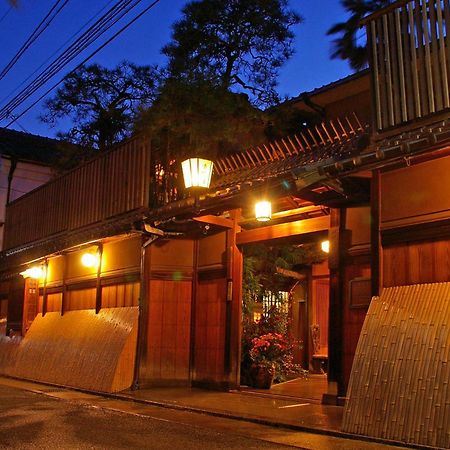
point(80, 349)
point(399, 385)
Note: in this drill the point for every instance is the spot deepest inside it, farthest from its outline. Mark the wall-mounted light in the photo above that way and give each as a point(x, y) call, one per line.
point(325, 246)
point(197, 172)
point(35, 272)
point(90, 259)
point(263, 211)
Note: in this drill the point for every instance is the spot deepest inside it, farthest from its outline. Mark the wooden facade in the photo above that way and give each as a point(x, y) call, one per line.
point(108, 186)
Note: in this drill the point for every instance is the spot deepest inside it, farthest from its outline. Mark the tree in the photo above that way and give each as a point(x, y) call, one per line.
point(346, 46)
point(199, 118)
point(233, 44)
point(102, 103)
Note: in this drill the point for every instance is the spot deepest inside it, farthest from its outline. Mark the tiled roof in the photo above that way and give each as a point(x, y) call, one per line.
point(28, 147)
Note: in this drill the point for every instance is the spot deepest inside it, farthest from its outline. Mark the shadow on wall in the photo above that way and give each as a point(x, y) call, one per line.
point(79, 349)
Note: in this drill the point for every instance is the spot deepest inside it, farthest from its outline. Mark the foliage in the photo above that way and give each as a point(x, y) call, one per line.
point(101, 102)
point(346, 46)
point(267, 343)
point(266, 259)
point(233, 44)
point(199, 118)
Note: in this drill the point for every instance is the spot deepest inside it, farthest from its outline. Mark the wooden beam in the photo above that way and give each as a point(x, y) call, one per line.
point(288, 213)
point(215, 220)
point(283, 230)
point(291, 274)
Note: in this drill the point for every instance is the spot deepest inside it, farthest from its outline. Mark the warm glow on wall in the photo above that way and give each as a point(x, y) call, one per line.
point(35, 272)
point(197, 172)
point(263, 211)
point(325, 245)
point(90, 259)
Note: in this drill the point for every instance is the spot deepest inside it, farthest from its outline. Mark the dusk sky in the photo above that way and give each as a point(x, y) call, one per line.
point(309, 68)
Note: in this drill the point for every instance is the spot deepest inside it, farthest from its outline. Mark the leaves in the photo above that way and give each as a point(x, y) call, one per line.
point(102, 103)
point(346, 46)
point(237, 45)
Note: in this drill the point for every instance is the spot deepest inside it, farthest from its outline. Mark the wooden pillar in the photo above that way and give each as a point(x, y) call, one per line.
point(44, 290)
point(98, 286)
point(375, 249)
point(234, 303)
point(336, 386)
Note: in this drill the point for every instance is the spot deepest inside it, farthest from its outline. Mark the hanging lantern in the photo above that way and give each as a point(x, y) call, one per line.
point(197, 172)
point(263, 211)
point(325, 246)
point(35, 272)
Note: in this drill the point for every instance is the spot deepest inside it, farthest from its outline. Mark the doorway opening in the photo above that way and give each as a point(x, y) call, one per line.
point(285, 319)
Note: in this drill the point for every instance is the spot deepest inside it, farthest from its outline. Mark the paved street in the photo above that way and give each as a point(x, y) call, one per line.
point(53, 418)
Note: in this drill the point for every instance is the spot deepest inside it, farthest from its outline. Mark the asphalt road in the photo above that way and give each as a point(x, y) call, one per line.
point(36, 416)
point(34, 421)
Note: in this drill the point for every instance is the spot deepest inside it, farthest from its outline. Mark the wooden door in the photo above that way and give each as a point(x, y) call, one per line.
point(166, 344)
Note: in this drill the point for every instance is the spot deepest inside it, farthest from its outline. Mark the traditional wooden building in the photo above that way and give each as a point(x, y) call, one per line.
point(158, 301)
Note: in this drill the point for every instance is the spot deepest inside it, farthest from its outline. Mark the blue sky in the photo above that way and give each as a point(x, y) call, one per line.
point(309, 68)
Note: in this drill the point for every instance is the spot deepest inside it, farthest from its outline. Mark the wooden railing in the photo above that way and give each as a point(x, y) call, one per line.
point(114, 183)
point(409, 50)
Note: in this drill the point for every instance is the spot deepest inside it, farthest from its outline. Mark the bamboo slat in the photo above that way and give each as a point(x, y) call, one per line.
point(399, 385)
point(80, 349)
point(410, 60)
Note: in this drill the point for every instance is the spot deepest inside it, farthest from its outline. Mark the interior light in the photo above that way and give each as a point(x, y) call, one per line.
point(197, 172)
point(90, 259)
point(263, 211)
point(325, 245)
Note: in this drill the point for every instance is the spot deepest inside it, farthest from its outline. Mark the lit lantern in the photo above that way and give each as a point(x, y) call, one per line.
point(325, 246)
point(90, 259)
point(197, 172)
point(35, 272)
point(263, 211)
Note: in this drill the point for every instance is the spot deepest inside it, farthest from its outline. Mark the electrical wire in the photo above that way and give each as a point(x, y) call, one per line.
point(44, 24)
point(102, 25)
point(120, 31)
point(5, 14)
point(29, 77)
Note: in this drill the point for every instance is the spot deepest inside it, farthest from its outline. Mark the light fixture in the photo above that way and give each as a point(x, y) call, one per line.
point(325, 246)
point(90, 259)
point(263, 211)
point(34, 272)
point(197, 172)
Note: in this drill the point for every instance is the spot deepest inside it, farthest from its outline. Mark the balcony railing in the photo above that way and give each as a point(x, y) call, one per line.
point(409, 51)
point(112, 184)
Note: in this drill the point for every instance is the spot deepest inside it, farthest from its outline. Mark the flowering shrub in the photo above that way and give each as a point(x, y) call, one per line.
point(269, 349)
point(274, 350)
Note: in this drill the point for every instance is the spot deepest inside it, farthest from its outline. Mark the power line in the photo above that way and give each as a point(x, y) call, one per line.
point(44, 24)
point(102, 25)
point(126, 26)
point(5, 14)
point(56, 52)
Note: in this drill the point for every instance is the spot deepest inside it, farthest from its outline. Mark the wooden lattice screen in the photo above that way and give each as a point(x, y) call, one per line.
point(399, 385)
point(410, 61)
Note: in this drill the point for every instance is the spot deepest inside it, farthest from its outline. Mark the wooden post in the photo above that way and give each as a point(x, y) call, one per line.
point(234, 304)
point(44, 290)
point(375, 250)
point(98, 287)
point(336, 308)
